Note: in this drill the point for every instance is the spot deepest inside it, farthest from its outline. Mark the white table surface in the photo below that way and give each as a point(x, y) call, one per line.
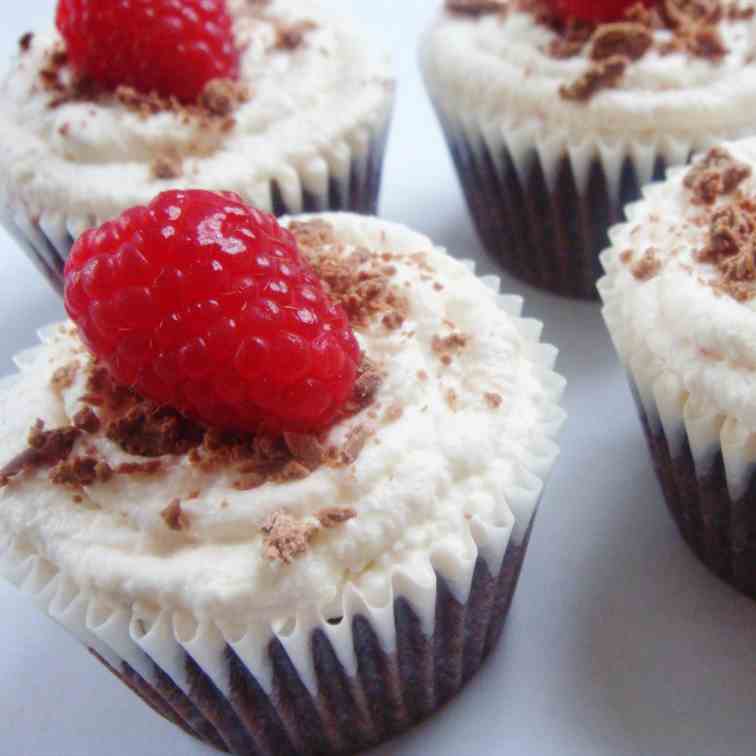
point(618, 642)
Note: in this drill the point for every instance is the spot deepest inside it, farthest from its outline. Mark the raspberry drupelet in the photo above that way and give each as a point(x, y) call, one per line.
point(203, 303)
point(595, 10)
point(171, 47)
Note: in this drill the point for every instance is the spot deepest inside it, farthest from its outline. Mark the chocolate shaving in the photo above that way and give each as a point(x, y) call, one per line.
point(25, 42)
point(394, 412)
point(354, 444)
point(731, 248)
point(81, 471)
point(452, 343)
point(45, 449)
point(285, 538)
point(683, 13)
point(85, 419)
point(221, 96)
point(476, 7)
point(175, 517)
point(292, 37)
point(604, 74)
point(494, 401)
point(360, 282)
point(250, 482)
point(292, 471)
point(627, 40)
point(167, 166)
point(152, 467)
point(717, 174)
point(452, 400)
point(330, 517)
point(648, 265)
point(305, 448)
point(366, 387)
point(64, 377)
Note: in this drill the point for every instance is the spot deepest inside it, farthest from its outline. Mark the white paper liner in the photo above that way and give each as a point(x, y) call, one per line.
point(308, 682)
point(345, 176)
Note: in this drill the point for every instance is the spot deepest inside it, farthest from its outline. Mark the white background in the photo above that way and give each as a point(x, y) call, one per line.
point(618, 642)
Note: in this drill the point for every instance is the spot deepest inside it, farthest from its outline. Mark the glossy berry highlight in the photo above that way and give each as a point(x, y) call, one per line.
point(203, 303)
point(172, 47)
point(597, 11)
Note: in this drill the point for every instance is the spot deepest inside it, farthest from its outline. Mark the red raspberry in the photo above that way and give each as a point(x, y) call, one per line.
point(204, 303)
point(595, 10)
point(172, 47)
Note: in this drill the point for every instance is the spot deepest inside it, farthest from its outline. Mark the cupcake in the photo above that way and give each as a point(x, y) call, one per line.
point(680, 303)
point(557, 113)
point(280, 101)
point(288, 503)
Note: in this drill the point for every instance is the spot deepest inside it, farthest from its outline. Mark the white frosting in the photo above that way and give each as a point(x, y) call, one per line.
point(681, 338)
point(311, 109)
point(496, 69)
point(422, 487)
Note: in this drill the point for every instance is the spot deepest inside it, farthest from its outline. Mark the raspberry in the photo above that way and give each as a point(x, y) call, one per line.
point(203, 303)
point(594, 10)
point(172, 47)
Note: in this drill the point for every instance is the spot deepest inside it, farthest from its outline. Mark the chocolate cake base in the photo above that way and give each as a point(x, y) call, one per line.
point(549, 238)
point(356, 192)
point(720, 531)
point(390, 692)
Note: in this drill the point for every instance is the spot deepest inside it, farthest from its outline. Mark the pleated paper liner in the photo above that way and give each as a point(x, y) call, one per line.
point(315, 684)
point(346, 177)
point(543, 206)
point(708, 479)
point(336, 687)
point(389, 694)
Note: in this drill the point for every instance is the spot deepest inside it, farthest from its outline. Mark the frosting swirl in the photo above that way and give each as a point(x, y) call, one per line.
point(461, 433)
point(674, 96)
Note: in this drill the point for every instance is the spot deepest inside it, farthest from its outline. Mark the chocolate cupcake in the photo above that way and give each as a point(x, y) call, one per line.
point(277, 591)
point(555, 123)
point(296, 122)
point(680, 303)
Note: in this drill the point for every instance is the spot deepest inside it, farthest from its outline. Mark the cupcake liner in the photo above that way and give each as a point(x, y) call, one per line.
point(708, 477)
point(344, 176)
point(347, 711)
point(705, 460)
point(542, 205)
point(315, 684)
